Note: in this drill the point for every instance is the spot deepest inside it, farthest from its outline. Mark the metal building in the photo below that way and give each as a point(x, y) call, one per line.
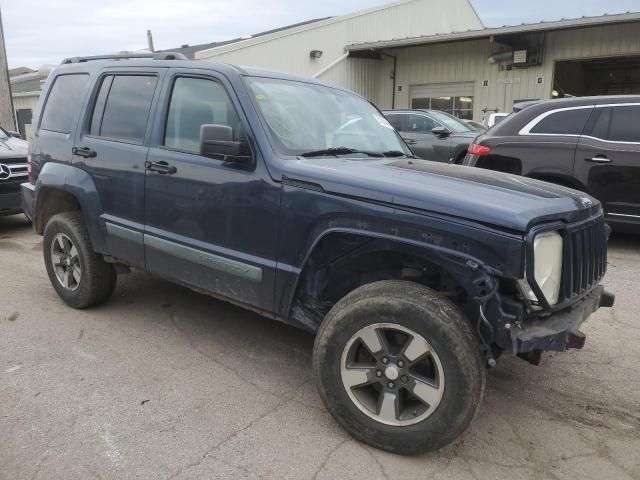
point(437, 54)
point(6, 106)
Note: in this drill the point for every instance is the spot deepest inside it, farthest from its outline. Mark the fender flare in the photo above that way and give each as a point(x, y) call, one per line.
point(79, 184)
point(473, 274)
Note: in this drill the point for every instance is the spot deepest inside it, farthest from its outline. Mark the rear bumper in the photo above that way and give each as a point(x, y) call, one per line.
point(27, 198)
point(561, 330)
point(9, 203)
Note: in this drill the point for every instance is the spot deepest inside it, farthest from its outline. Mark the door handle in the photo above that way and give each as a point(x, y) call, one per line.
point(161, 167)
point(85, 152)
point(409, 141)
point(599, 159)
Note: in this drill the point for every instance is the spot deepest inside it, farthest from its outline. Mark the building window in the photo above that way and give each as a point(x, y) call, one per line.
point(460, 106)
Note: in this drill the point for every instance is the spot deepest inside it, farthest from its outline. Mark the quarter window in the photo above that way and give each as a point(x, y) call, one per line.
point(122, 107)
point(196, 102)
point(64, 102)
point(565, 122)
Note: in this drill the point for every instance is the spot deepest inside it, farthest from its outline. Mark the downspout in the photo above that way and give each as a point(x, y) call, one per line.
point(330, 66)
point(395, 69)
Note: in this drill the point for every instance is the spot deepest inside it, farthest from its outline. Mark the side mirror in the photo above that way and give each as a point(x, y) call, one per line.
point(216, 141)
point(440, 131)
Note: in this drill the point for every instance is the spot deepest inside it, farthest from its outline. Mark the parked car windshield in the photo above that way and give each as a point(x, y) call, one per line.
point(3, 134)
point(452, 123)
point(315, 120)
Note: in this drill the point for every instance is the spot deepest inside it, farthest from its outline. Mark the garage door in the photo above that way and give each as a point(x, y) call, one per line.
point(453, 98)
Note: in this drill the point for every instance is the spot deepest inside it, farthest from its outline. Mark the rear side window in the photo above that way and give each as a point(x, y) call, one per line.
point(122, 107)
point(566, 122)
point(397, 120)
point(64, 102)
point(625, 124)
point(196, 102)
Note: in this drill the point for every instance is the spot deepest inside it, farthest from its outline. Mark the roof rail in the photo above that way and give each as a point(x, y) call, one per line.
point(126, 56)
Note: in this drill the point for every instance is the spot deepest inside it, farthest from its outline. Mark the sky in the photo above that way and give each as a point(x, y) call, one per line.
point(41, 32)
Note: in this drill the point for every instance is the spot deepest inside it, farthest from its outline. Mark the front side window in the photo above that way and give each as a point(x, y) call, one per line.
point(305, 117)
point(122, 107)
point(195, 102)
point(64, 102)
point(564, 122)
point(421, 124)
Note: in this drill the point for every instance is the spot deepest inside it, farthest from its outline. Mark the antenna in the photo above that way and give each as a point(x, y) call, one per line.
point(150, 41)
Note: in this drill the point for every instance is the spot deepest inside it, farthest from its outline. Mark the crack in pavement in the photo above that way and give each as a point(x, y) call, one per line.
point(216, 360)
point(328, 456)
point(230, 437)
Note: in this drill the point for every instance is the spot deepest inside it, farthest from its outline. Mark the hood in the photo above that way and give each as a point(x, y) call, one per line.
point(13, 147)
point(508, 201)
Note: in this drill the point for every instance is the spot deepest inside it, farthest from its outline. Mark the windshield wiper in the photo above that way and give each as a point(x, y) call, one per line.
point(340, 151)
point(397, 153)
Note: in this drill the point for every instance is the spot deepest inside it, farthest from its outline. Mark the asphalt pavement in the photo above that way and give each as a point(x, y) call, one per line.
point(165, 383)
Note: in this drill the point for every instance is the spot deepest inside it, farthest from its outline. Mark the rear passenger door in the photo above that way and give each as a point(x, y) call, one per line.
point(608, 161)
point(547, 144)
point(112, 147)
point(210, 223)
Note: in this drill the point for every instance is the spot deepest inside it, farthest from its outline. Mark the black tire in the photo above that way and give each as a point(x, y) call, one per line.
point(98, 279)
point(449, 334)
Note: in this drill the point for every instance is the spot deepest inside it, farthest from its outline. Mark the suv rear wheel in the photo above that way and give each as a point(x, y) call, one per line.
point(399, 367)
point(80, 276)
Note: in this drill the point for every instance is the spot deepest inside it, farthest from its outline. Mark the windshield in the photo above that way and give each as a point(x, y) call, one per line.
point(305, 118)
point(3, 134)
point(452, 123)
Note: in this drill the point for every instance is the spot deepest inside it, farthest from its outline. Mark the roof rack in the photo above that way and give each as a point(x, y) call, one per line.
point(126, 56)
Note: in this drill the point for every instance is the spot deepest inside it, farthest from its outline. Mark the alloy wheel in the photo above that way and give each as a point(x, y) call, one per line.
point(66, 262)
point(392, 374)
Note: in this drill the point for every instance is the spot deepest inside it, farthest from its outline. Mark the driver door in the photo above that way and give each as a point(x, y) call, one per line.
point(419, 136)
point(210, 224)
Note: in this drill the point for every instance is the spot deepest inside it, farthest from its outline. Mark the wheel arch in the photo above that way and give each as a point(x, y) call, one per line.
point(61, 188)
point(341, 260)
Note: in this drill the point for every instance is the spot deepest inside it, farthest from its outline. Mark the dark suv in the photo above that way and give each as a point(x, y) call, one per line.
point(13, 171)
point(299, 201)
point(591, 144)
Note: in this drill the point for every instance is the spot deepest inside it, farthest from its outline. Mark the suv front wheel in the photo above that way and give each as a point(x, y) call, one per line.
point(399, 367)
point(80, 276)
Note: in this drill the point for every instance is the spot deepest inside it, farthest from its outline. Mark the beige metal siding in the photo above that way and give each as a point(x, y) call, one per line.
point(370, 78)
point(467, 62)
point(6, 112)
point(288, 51)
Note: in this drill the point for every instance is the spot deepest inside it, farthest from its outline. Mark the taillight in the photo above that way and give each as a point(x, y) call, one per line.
point(479, 150)
point(30, 175)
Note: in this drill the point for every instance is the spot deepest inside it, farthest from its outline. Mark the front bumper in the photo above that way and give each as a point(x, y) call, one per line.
point(561, 330)
point(27, 195)
point(9, 203)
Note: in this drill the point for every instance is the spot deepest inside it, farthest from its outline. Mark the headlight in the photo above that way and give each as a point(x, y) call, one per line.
point(547, 264)
point(547, 269)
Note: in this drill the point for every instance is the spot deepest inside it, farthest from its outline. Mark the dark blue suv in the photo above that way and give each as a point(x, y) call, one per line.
point(301, 202)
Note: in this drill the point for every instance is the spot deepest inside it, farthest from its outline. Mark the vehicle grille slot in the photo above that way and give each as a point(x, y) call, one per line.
point(587, 259)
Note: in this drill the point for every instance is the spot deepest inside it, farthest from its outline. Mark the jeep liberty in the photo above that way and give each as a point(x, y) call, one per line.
point(299, 201)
